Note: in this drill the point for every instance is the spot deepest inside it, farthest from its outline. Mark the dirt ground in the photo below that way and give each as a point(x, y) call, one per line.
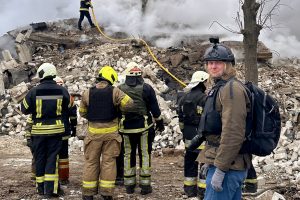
point(15, 174)
point(167, 175)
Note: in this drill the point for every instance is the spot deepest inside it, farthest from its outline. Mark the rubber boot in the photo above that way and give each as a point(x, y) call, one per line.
point(107, 197)
point(190, 191)
point(250, 188)
point(146, 189)
point(84, 197)
point(130, 189)
point(200, 193)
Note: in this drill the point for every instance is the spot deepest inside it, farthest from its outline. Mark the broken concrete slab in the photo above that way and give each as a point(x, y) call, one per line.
point(20, 38)
point(24, 53)
point(6, 55)
point(176, 59)
point(19, 92)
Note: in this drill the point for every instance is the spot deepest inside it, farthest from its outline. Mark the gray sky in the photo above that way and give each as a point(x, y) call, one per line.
point(173, 17)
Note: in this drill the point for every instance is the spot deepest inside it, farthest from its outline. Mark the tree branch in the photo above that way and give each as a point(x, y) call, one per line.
point(226, 28)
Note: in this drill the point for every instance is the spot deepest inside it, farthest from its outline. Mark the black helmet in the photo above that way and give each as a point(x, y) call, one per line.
point(218, 52)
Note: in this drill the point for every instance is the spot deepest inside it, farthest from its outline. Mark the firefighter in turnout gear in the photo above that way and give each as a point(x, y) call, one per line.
point(190, 108)
point(70, 130)
point(100, 106)
point(84, 12)
point(48, 105)
point(136, 126)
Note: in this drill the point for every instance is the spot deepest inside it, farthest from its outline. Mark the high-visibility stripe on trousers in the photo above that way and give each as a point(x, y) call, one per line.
point(99, 173)
point(63, 162)
point(46, 149)
point(133, 141)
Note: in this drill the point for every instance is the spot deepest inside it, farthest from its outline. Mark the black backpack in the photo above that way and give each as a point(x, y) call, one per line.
point(191, 108)
point(263, 123)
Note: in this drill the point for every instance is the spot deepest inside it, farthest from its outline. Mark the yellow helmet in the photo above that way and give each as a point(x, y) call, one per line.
point(133, 69)
point(109, 74)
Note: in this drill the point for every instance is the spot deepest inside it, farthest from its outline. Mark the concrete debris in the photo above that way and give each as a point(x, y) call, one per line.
point(79, 66)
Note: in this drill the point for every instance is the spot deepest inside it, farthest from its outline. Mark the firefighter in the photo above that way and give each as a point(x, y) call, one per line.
point(137, 128)
point(48, 104)
point(250, 184)
point(189, 110)
point(84, 12)
point(99, 105)
point(70, 131)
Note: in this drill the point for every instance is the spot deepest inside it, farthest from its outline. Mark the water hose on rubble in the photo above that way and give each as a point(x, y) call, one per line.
point(142, 41)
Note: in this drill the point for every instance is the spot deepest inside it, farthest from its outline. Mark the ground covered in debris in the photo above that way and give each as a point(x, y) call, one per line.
point(78, 56)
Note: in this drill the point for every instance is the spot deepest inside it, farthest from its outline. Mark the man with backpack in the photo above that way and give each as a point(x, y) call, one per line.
point(190, 108)
point(223, 124)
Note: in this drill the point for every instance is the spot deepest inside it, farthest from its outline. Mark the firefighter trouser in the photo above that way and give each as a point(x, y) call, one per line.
point(46, 149)
point(63, 161)
point(251, 175)
point(100, 172)
point(82, 15)
point(120, 162)
point(191, 170)
point(142, 141)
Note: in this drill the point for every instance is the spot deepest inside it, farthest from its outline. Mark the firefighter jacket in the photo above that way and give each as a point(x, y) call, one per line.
point(231, 102)
point(139, 118)
point(103, 122)
point(190, 108)
point(48, 105)
point(85, 5)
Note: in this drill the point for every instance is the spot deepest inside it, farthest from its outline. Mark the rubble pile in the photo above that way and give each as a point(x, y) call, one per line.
point(79, 65)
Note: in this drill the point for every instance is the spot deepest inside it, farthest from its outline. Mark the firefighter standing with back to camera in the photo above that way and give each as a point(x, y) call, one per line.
point(190, 108)
point(223, 123)
point(100, 106)
point(136, 126)
point(48, 105)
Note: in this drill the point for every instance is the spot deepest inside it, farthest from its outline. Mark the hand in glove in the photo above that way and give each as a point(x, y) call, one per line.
point(73, 131)
point(217, 180)
point(203, 170)
point(196, 142)
point(160, 125)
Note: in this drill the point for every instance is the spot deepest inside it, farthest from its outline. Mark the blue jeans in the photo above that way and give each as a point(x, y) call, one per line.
point(232, 185)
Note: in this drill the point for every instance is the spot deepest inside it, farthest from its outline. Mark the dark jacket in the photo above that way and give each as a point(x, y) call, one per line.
point(135, 123)
point(85, 5)
point(189, 127)
point(48, 103)
point(232, 103)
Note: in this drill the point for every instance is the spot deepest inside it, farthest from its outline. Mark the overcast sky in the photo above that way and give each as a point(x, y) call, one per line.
point(174, 17)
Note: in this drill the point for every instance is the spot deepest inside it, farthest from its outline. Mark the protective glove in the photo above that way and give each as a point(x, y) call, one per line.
point(73, 131)
point(160, 125)
point(29, 142)
point(203, 170)
point(217, 180)
point(196, 142)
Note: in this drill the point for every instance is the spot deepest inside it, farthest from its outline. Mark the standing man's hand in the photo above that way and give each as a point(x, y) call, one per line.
point(217, 180)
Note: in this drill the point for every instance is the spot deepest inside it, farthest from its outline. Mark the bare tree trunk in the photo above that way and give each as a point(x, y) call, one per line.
point(251, 33)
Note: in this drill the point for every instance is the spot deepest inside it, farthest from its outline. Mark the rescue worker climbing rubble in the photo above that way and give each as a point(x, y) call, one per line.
point(70, 131)
point(223, 124)
point(48, 105)
point(137, 128)
point(100, 105)
point(84, 12)
point(190, 108)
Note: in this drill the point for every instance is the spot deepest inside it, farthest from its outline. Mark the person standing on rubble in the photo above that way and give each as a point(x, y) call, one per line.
point(223, 124)
point(84, 12)
point(137, 128)
point(190, 108)
point(70, 131)
point(100, 105)
point(48, 105)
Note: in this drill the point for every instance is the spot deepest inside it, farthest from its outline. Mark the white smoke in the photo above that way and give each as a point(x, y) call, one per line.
point(173, 18)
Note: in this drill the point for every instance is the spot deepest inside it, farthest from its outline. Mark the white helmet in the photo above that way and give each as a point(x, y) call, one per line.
point(133, 69)
point(46, 70)
point(198, 77)
point(58, 80)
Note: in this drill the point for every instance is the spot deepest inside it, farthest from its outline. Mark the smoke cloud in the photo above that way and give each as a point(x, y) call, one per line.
point(173, 18)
